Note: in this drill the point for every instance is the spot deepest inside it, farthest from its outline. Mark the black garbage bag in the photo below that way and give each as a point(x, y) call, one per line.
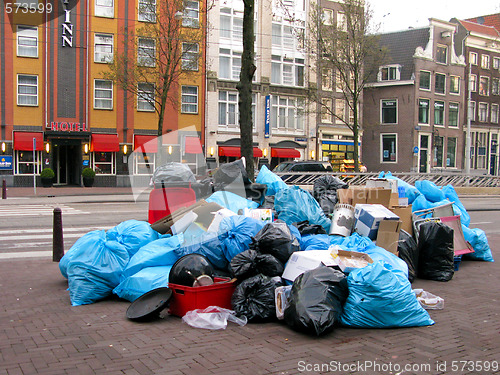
point(408, 251)
point(435, 251)
point(325, 192)
point(316, 301)
point(173, 172)
point(306, 229)
point(268, 202)
point(228, 173)
point(276, 239)
point(249, 263)
point(254, 298)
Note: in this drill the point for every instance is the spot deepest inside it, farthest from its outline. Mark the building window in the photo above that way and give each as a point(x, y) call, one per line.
point(191, 16)
point(282, 36)
point(27, 90)
point(228, 108)
point(327, 79)
point(146, 97)
point(144, 164)
point(440, 84)
point(146, 10)
point(287, 71)
point(425, 80)
point(481, 149)
point(473, 58)
point(341, 21)
point(423, 111)
point(27, 41)
point(438, 113)
point(442, 54)
point(389, 111)
point(327, 17)
point(103, 162)
point(484, 86)
point(189, 100)
point(103, 48)
point(190, 53)
point(485, 61)
point(146, 52)
point(495, 86)
point(472, 111)
point(103, 94)
point(483, 112)
point(389, 148)
point(24, 163)
point(473, 83)
point(231, 24)
point(438, 151)
point(496, 63)
point(326, 110)
point(229, 64)
point(104, 8)
point(287, 114)
point(451, 152)
point(494, 113)
point(453, 115)
point(454, 85)
point(389, 73)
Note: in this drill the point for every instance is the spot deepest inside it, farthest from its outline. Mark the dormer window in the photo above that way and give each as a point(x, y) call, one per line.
point(389, 73)
point(442, 54)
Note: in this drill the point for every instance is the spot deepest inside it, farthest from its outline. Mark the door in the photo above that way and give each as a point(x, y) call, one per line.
point(493, 155)
point(67, 159)
point(423, 159)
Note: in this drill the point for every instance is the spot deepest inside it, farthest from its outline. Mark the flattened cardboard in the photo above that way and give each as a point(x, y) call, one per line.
point(388, 235)
point(404, 213)
point(363, 195)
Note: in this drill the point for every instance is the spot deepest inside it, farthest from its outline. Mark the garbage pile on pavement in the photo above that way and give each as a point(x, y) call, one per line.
point(266, 251)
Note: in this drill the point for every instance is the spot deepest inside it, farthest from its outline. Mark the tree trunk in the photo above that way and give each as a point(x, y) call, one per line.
point(245, 87)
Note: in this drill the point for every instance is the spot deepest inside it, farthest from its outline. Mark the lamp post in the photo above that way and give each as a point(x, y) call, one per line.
point(467, 135)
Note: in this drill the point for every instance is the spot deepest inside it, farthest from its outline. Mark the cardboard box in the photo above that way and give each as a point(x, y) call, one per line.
point(350, 260)
point(363, 195)
point(302, 261)
point(368, 217)
point(383, 183)
point(404, 213)
point(388, 235)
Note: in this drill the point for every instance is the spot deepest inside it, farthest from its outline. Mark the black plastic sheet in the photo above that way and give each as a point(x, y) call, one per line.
point(325, 192)
point(254, 298)
point(435, 251)
point(250, 263)
point(276, 239)
point(408, 251)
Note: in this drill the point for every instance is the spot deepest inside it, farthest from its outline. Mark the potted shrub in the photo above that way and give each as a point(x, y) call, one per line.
point(47, 177)
point(88, 175)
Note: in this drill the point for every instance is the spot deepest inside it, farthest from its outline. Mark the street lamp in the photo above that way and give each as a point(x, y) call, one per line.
point(469, 115)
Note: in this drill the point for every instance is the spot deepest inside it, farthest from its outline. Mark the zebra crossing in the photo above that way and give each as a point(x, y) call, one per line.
point(37, 210)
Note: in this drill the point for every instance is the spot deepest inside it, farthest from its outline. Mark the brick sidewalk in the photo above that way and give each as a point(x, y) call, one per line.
point(41, 333)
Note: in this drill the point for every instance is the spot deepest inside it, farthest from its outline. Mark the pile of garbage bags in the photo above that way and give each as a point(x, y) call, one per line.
point(132, 258)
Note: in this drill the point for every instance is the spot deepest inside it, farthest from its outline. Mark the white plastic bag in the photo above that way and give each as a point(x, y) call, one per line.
point(212, 317)
point(281, 298)
point(428, 300)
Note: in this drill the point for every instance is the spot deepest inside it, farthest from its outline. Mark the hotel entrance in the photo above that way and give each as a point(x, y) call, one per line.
point(66, 161)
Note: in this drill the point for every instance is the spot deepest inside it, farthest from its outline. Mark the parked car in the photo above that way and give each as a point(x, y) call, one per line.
point(303, 166)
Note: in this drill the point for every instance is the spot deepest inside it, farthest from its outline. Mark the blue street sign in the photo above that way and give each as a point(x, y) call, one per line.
point(415, 150)
point(6, 162)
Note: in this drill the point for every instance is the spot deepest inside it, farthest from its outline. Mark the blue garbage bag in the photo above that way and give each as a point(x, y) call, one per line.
point(86, 241)
point(132, 235)
point(272, 180)
point(94, 269)
point(147, 279)
point(411, 192)
point(295, 204)
point(458, 207)
point(380, 297)
point(430, 190)
point(236, 233)
point(315, 242)
point(231, 201)
point(157, 253)
point(208, 245)
point(479, 242)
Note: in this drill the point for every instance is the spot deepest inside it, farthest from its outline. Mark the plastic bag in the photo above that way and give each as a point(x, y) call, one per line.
point(477, 238)
point(276, 239)
point(173, 172)
point(306, 229)
point(250, 263)
point(316, 300)
point(230, 173)
point(208, 245)
point(325, 192)
point(382, 298)
point(282, 300)
point(212, 317)
point(411, 192)
point(146, 279)
point(295, 205)
point(132, 235)
point(231, 201)
point(428, 300)
point(315, 242)
point(254, 298)
point(408, 251)
point(236, 233)
point(430, 191)
point(87, 241)
point(435, 251)
point(273, 181)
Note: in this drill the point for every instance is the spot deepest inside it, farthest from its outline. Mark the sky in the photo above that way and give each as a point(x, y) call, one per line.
point(396, 15)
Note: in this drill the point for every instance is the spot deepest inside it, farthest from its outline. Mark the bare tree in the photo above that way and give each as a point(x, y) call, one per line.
point(155, 55)
point(347, 50)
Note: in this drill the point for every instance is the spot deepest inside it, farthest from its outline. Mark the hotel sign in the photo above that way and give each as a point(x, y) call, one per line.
point(68, 126)
point(67, 26)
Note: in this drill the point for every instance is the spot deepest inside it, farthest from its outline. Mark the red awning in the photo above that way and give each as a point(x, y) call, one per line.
point(234, 151)
point(105, 143)
point(285, 153)
point(23, 141)
point(146, 143)
point(192, 145)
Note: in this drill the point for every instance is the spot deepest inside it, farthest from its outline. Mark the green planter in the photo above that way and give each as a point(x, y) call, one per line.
point(47, 177)
point(88, 175)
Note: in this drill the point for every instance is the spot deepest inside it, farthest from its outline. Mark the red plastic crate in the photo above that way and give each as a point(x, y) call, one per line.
point(187, 298)
point(164, 201)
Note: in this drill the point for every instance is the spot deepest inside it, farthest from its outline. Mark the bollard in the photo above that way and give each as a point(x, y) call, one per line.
point(4, 189)
point(57, 236)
